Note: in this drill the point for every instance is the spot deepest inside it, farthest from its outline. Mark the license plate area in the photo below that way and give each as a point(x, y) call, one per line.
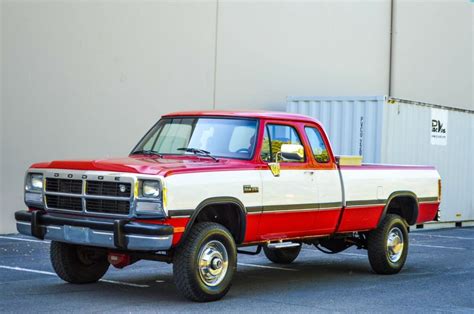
point(76, 234)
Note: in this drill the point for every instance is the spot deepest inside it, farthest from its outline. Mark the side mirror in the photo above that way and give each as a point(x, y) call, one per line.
point(292, 152)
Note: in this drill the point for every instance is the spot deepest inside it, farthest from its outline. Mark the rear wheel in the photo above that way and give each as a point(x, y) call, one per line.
point(77, 263)
point(283, 255)
point(205, 263)
point(388, 245)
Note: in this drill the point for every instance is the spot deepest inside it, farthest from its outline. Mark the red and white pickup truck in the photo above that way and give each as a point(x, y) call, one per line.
point(200, 186)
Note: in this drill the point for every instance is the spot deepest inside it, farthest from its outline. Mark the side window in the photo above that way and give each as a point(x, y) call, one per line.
point(318, 147)
point(275, 136)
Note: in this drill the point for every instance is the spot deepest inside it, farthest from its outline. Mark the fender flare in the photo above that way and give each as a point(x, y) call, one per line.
point(220, 201)
point(401, 194)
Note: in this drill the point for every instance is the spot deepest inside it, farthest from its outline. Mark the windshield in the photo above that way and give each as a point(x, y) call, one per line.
point(221, 137)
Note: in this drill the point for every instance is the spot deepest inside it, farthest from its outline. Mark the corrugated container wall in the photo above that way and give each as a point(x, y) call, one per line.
point(400, 133)
point(354, 124)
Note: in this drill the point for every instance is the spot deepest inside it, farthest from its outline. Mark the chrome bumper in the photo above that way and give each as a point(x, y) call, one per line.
point(115, 234)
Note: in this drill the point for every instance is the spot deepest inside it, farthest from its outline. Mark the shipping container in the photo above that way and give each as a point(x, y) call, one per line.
point(397, 131)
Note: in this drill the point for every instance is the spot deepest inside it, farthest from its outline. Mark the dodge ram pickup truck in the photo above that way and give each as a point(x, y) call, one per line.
point(201, 186)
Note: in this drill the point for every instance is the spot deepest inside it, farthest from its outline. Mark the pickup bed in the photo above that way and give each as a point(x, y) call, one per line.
point(201, 186)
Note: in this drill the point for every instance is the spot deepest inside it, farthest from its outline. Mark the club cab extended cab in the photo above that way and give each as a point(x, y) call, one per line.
point(201, 186)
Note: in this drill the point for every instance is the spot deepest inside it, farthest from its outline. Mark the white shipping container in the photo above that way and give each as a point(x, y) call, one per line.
point(403, 132)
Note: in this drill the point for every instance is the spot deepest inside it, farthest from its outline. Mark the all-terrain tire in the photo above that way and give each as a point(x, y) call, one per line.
point(78, 264)
point(386, 255)
point(282, 256)
point(192, 278)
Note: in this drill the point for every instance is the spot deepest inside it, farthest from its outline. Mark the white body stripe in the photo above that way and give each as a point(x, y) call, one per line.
point(380, 184)
point(186, 191)
point(282, 190)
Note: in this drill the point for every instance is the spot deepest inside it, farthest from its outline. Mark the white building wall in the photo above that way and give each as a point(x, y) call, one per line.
point(268, 50)
point(88, 79)
point(433, 52)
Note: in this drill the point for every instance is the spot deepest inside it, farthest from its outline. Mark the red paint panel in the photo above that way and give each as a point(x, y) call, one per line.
point(178, 223)
point(386, 167)
point(246, 114)
point(326, 221)
point(251, 232)
point(427, 212)
point(360, 218)
point(279, 225)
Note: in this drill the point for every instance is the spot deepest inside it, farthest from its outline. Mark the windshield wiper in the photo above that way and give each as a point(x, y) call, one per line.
point(197, 151)
point(147, 153)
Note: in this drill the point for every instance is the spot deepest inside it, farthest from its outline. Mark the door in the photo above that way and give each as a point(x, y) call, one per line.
point(328, 183)
point(288, 199)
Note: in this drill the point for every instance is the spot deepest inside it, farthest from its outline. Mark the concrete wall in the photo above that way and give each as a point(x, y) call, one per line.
point(3, 216)
point(433, 52)
point(86, 79)
point(270, 50)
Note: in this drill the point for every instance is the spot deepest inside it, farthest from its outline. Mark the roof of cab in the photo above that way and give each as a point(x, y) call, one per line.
point(274, 115)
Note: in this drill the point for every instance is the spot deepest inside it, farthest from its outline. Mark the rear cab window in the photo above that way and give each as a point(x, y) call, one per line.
point(318, 146)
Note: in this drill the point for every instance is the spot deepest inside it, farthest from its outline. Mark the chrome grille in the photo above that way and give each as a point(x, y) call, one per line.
point(100, 194)
point(64, 186)
point(107, 206)
point(64, 202)
point(108, 188)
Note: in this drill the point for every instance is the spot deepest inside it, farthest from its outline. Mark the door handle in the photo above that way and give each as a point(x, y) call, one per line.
point(309, 172)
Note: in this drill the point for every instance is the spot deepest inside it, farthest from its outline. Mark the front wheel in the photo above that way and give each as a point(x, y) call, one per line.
point(388, 245)
point(204, 264)
point(77, 263)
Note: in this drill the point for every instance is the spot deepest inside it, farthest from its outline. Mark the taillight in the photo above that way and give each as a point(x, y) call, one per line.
point(439, 190)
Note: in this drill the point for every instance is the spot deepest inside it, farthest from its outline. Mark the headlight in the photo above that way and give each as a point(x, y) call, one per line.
point(151, 189)
point(34, 182)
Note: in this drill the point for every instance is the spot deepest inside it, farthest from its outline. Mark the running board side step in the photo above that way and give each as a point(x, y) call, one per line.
point(259, 249)
point(282, 245)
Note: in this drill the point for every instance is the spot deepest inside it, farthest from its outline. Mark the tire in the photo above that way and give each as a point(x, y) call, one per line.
point(78, 264)
point(282, 256)
point(386, 255)
point(208, 244)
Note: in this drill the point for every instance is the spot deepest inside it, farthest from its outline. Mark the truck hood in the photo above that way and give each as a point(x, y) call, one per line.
point(147, 165)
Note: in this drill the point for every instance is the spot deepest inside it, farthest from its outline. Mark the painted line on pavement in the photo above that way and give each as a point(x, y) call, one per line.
point(53, 274)
point(269, 267)
point(23, 239)
point(441, 236)
point(439, 247)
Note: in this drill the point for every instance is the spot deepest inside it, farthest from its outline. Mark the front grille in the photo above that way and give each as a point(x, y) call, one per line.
point(64, 186)
point(64, 202)
point(108, 206)
point(108, 188)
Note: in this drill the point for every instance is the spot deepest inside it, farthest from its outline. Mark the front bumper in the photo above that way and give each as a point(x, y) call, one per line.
point(116, 234)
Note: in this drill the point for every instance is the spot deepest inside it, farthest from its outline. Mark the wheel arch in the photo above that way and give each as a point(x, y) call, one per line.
point(403, 203)
point(237, 228)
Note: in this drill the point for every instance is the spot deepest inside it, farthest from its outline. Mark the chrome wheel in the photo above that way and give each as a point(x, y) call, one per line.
point(395, 243)
point(213, 263)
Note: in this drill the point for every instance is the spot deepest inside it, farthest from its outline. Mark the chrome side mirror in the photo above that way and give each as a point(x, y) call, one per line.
point(293, 152)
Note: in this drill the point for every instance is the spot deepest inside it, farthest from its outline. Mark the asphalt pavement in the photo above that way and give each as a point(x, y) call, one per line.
point(438, 277)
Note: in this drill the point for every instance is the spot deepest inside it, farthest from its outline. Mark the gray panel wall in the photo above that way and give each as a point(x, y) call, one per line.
point(88, 79)
point(433, 52)
point(268, 50)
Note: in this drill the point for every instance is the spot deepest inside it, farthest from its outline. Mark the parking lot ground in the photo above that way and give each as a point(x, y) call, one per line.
point(438, 277)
